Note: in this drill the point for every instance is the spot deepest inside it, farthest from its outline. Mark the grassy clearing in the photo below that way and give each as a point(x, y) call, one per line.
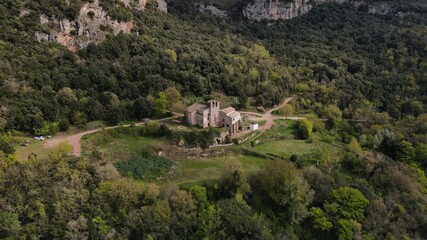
point(119, 149)
point(195, 170)
point(34, 147)
point(144, 168)
point(185, 169)
point(280, 141)
point(288, 147)
point(282, 129)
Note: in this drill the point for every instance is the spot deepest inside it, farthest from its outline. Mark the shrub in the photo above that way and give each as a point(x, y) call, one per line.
point(151, 128)
point(6, 147)
point(63, 125)
point(145, 168)
point(203, 138)
point(305, 129)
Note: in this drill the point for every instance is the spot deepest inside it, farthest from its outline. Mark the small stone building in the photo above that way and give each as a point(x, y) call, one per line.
point(210, 115)
point(253, 126)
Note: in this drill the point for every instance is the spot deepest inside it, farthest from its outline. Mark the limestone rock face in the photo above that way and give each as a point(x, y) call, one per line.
point(214, 10)
point(136, 4)
point(140, 4)
point(162, 5)
point(381, 8)
point(287, 9)
point(275, 9)
point(91, 25)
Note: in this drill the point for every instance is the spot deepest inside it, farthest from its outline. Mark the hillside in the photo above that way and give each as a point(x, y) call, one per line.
point(351, 166)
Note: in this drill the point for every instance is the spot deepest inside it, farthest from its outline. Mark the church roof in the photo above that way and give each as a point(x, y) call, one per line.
point(234, 114)
point(228, 110)
point(195, 107)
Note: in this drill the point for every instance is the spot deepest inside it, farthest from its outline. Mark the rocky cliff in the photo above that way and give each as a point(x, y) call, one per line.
point(214, 10)
point(91, 25)
point(287, 9)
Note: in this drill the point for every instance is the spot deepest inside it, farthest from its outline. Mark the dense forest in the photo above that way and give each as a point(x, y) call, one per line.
point(361, 56)
point(365, 74)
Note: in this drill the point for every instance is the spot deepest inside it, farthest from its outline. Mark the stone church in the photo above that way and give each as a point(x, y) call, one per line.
point(211, 115)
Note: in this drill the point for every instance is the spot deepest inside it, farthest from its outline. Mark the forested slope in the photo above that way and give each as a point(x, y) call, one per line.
point(361, 56)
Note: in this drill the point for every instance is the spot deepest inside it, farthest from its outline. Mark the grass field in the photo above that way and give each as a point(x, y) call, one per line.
point(288, 147)
point(195, 170)
point(280, 141)
point(35, 147)
point(186, 168)
point(120, 149)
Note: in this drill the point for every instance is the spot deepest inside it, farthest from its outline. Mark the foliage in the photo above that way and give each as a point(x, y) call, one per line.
point(146, 168)
point(238, 58)
point(354, 147)
point(151, 128)
point(406, 152)
point(47, 129)
point(63, 125)
point(305, 128)
point(287, 110)
point(9, 225)
point(237, 221)
point(161, 104)
point(209, 223)
point(287, 188)
point(172, 54)
point(203, 138)
point(347, 203)
point(6, 146)
point(331, 111)
point(79, 120)
point(348, 229)
point(421, 154)
point(320, 219)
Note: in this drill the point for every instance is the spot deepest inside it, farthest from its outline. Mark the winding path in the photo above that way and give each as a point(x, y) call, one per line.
point(74, 140)
point(267, 116)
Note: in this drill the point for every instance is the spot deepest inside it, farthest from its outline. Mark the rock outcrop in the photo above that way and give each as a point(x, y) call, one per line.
point(287, 9)
point(275, 9)
point(140, 4)
point(136, 4)
point(162, 5)
point(91, 25)
point(214, 10)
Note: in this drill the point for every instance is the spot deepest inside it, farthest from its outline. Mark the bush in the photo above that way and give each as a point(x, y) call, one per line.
point(294, 158)
point(305, 128)
point(63, 125)
point(203, 138)
point(145, 168)
point(151, 128)
point(6, 147)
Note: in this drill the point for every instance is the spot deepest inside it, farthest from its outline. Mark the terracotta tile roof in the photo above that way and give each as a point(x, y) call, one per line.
point(195, 107)
point(228, 110)
point(234, 114)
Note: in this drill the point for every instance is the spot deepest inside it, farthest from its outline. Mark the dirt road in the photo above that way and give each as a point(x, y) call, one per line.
point(267, 116)
point(74, 140)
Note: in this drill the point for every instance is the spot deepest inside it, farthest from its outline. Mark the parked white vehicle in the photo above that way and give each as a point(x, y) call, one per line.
point(40, 138)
